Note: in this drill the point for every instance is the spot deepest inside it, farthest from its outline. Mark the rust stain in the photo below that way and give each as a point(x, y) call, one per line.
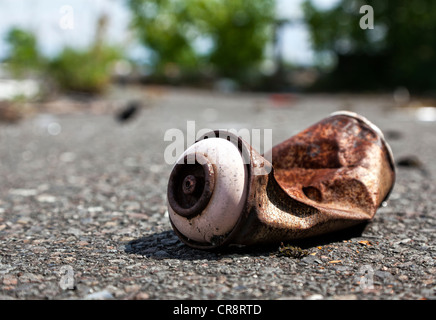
point(365, 243)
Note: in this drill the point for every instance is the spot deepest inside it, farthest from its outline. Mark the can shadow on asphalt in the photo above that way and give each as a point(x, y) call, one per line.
point(166, 245)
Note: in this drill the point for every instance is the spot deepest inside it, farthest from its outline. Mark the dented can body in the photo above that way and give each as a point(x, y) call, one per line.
point(333, 175)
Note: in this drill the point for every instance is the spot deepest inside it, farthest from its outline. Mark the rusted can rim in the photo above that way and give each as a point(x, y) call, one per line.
point(190, 187)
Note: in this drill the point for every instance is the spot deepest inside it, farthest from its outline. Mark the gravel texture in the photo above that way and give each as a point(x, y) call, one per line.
point(83, 206)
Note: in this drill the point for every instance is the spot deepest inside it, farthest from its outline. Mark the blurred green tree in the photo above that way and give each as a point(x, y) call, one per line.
point(235, 31)
point(399, 51)
point(23, 58)
point(86, 70)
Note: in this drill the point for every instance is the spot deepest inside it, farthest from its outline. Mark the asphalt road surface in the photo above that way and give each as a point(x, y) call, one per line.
point(83, 204)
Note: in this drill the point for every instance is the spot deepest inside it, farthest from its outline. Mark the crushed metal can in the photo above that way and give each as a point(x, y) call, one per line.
point(331, 176)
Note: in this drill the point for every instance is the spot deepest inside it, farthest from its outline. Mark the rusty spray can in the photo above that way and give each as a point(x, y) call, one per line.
point(331, 176)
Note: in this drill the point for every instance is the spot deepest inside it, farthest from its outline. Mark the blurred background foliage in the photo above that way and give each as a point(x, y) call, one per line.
point(86, 70)
point(24, 57)
point(399, 51)
point(223, 38)
point(202, 42)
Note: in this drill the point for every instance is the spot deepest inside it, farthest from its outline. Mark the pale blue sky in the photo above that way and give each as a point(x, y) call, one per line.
point(43, 17)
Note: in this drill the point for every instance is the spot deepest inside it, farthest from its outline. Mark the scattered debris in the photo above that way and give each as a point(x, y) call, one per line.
point(9, 113)
point(131, 109)
point(282, 99)
point(409, 161)
point(365, 243)
point(292, 252)
point(412, 162)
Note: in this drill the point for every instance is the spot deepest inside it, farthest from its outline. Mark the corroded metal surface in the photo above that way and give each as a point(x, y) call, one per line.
point(330, 176)
point(340, 162)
